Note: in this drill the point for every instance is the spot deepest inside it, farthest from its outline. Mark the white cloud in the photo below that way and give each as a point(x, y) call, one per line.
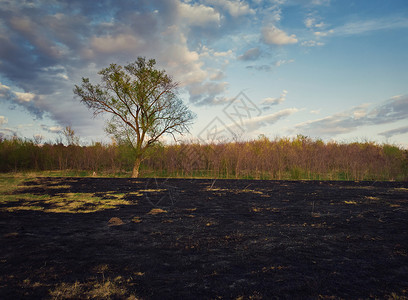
point(184, 64)
point(268, 102)
point(24, 97)
point(109, 33)
point(19, 97)
point(28, 100)
point(4, 88)
point(217, 75)
point(320, 25)
point(52, 129)
point(206, 93)
point(283, 62)
point(262, 121)
point(272, 101)
point(276, 36)
point(206, 52)
point(311, 23)
point(222, 53)
point(55, 128)
point(3, 120)
point(392, 110)
point(359, 113)
point(364, 26)
point(58, 71)
point(321, 2)
point(274, 13)
point(324, 33)
point(312, 43)
point(199, 14)
point(235, 8)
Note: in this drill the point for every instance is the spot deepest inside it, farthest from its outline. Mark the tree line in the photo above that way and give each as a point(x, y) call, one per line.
point(262, 158)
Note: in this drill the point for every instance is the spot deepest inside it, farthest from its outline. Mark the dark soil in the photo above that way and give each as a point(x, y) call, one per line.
point(226, 239)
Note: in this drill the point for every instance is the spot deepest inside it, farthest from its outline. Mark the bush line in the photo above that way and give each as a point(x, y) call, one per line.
point(282, 158)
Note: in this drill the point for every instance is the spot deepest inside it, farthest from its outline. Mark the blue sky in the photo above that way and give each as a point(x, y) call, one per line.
point(329, 69)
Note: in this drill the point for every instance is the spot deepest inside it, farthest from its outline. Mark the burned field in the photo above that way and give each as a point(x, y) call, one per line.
point(204, 239)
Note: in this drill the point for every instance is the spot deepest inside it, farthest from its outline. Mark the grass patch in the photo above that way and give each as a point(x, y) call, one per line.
point(136, 220)
point(9, 183)
point(13, 198)
point(107, 289)
point(156, 211)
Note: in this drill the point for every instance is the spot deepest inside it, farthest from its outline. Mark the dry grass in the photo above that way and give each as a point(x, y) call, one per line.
point(102, 288)
point(156, 211)
point(14, 198)
point(91, 290)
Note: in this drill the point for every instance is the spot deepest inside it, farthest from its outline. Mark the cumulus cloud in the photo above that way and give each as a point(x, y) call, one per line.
point(45, 52)
point(24, 97)
point(199, 14)
point(392, 110)
point(275, 36)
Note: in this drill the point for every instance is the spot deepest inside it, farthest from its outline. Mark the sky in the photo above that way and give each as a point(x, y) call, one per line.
point(335, 70)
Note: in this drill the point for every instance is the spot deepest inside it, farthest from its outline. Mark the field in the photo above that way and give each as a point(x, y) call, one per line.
point(202, 239)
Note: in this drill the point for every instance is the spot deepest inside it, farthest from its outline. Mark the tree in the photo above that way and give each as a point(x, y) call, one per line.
point(70, 136)
point(142, 102)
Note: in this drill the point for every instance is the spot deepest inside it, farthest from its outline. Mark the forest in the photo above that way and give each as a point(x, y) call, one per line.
point(298, 158)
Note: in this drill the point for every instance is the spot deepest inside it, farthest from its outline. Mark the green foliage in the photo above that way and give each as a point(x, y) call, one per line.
point(296, 173)
point(142, 102)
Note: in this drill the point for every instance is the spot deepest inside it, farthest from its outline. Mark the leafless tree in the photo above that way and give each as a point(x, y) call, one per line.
point(70, 136)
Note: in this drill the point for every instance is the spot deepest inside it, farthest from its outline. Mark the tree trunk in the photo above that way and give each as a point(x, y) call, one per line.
point(136, 166)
